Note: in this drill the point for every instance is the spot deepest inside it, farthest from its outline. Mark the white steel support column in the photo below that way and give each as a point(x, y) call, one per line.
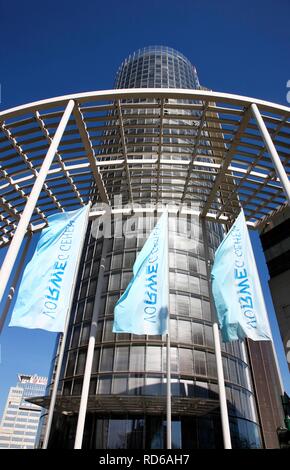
point(90, 352)
point(217, 348)
point(22, 226)
point(278, 165)
point(168, 389)
point(168, 353)
point(55, 385)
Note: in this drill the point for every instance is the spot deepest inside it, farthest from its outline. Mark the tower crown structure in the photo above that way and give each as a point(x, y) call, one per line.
point(157, 67)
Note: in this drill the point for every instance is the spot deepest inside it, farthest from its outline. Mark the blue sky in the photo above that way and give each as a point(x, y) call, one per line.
point(61, 47)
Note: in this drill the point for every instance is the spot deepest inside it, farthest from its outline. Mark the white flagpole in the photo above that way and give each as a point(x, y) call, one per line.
point(90, 353)
point(64, 337)
point(218, 353)
point(168, 356)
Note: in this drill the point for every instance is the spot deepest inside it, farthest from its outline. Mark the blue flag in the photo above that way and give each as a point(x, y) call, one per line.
point(236, 287)
point(143, 308)
point(44, 294)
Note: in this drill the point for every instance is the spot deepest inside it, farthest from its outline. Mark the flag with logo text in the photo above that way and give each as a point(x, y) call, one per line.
point(143, 308)
point(236, 287)
point(44, 294)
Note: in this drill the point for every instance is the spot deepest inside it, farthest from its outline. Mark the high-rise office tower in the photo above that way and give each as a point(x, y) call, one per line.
point(19, 424)
point(126, 406)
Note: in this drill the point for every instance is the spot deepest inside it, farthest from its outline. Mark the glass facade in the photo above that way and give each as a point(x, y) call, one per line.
point(157, 67)
point(128, 382)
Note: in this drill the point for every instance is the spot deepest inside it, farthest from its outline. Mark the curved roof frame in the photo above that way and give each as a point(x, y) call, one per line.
point(224, 164)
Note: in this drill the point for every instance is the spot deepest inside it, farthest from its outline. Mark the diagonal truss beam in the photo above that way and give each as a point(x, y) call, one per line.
point(59, 158)
point(273, 154)
point(195, 148)
point(249, 171)
point(227, 161)
point(124, 148)
point(90, 153)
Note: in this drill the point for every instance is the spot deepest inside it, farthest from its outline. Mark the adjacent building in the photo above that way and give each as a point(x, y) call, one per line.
point(275, 239)
point(19, 424)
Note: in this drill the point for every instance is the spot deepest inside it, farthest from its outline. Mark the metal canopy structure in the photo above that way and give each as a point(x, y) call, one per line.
point(213, 140)
point(151, 404)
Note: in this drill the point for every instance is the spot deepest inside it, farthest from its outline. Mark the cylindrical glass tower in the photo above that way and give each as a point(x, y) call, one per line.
point(157, 67)
point(126, 406)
